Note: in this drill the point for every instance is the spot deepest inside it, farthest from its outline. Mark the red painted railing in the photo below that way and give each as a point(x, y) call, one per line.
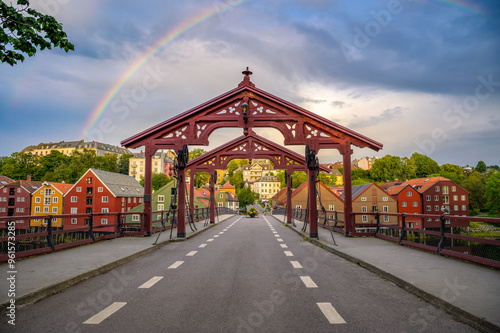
point(435, 233)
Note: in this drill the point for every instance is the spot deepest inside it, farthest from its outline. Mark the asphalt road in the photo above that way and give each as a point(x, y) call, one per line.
point(244, 275)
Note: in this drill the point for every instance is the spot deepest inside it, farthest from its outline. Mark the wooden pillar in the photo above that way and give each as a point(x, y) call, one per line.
point(313, 212)
point(147, 227)
point(288, 197)
point(212, 197)
point(346, 154)
point(191, 194)
point(181, 206)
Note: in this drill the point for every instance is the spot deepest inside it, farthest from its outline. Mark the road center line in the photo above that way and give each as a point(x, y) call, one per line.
point(151, 282)
point(202, 245)
point(296, 264)
point(209, 240)
point(276, 235)
point(98, 318)
point(308, 282)
point(175, 264)
point(216, 236)
point(330, 313)
point(284, 246)
point(280, 240)
point(289, 253)
point(192, 253)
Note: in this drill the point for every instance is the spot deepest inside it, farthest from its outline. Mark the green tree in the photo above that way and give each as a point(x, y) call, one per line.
point(325, 179)
point(123, 163)
point(424, 165)
point(23, 30)
point(246, 196)
point(158, 180)
point(196, 152)
point(452, 172)
point(201, 178)
point(492, 193)
point(476, 187)
point(20, 165)
point(391, 168)
point(480, 167)
point(235, 164)
point(237, 179)
point(298, 177)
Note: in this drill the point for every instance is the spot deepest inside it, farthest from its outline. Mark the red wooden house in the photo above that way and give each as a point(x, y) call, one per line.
point(409, 202)
point(438, 193)
point(15, 200)
point(98, 192)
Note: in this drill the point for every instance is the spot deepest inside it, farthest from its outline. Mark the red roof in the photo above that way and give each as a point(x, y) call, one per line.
point(227, 185)
point(423, 184)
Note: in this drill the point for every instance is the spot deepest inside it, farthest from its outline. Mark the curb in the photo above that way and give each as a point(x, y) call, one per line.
point(48, 291)
point(468, 318)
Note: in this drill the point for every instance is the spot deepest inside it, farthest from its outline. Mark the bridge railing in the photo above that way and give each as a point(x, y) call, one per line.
point(44, 236)
point(475, 239)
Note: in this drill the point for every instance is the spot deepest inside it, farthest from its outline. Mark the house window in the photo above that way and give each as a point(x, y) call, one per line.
point(220, 204)
point(88, 210)
point(19, 190)
point(415, 203)
point(386, 218)
point(105, 199)
point(129, 200)
point(55, 199)
point(104, 221)
point(464, 207)
point(74, 210)
point(462, 197)
point(73, 221)
point(436, 208)
point(409, 193)
point(428, 208)
point(364, 218)
point(453, 188)
point(160, 207)
point(437, 188)
point(54, 210)
point(47, 191)
point(88, 201)
point(385, 209)
point(73, 199)
point(105, 210)
point(37, 209)
point(331, 207)
point(455, 197)
point(385, 198)
point(404, 204)
point(446, 199)
point(161, 198)
point(298, 207)
point(5, 190)
point(99, 189)
point(363, 198)
point(135, 217)
point(436, 198)
point(428, 197)
point(221, 195)
point(45, 209)
point(78, 189)
point(455, 207)
point(89, 190)
point(445, 190)
point(89, 180)
point(364, 209)
point(47, 201)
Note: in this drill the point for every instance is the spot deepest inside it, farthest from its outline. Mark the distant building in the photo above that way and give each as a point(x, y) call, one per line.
point(227, 200)
point(160, 163)
point(97, 192)
point(365, 163)
point(15, 200)
point(267, 186)
point(68, 147)
point(49, 200)
point(5, 180)
point(255, 171)
point(409, 202)
point(228, 187)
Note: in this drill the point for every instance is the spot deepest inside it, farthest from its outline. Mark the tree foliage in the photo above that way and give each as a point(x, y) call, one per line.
point(476, 187)
point(158, 180)
point(424, 165)
point(481, 167)
point(492, 193)
point(246, 196)
point(391, 168)
point(23, 30)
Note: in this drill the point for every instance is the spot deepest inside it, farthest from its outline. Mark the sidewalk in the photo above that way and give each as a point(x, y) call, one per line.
point(466, 290)
point(41, 276)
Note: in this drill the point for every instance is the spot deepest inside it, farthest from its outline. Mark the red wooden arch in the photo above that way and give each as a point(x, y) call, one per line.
point(246, 107)
point(250, 146)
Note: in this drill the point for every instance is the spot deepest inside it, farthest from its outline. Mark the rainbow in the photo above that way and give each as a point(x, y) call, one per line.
point(465, 5)
point(161, 44)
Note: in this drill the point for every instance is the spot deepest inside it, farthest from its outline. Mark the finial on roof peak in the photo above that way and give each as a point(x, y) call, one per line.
point(246, 79)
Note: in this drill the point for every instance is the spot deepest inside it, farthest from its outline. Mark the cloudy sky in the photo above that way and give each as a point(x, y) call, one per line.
point(415, 75)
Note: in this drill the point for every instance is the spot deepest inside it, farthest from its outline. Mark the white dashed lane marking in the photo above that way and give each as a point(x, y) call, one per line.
point(289, 253)
point(216, 236)
point(192, 253)
point(280, 240)
point(284, 246)
point(175, 264)
point(276, 235)
point(98, 318)
point(330, 313)
point(151, 282)
point(308, 282)
point(209, 240)
point(202, 245)
point(296, 264)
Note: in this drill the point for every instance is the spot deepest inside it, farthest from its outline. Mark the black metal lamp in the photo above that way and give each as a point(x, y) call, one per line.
point(244, 109)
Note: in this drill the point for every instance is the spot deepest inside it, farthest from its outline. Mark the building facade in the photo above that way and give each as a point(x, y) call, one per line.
point(69, 147)
point(267, 186)
point(15, 200)
point(409, 202)
point(440, 194)
point(99, 192)
point(160, 163)
point(49, 200)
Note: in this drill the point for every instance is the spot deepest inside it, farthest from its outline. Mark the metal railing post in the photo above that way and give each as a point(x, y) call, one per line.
point(91, 227)
point(403, 228)
point(441, 240)
point(50, 240)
